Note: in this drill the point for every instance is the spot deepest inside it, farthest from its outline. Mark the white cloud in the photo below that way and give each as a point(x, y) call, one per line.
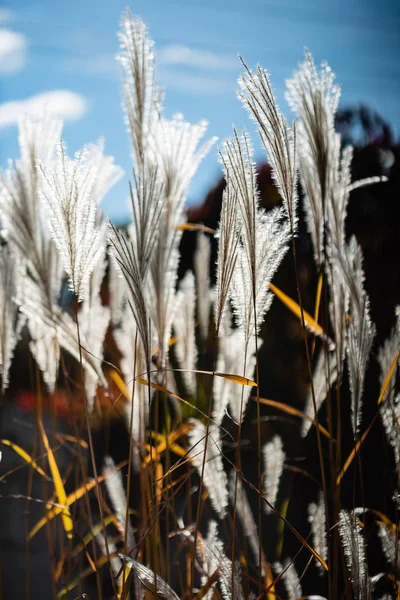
point(62, 103)
point(6, 15)
point(13, 51)
point(176, 54)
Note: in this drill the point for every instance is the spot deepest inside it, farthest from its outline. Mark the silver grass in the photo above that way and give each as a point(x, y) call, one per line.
point(354, 551)
point(11, 321)
point(245, 514)
point(127, 261)
point(215, 479)
point(118, 290)
point(339, 197)
point(360, 338)
point(146, 202)
point(170, 147)
point(24, 222)
point(212, 557)
point(390, 405)
point(263, 238)
point(45, 350)
point(109, 547)
point(34, 304)
point(201, 261)
point(70, 192)
point(390, 415)
point(141, 98)
point(338, 193)
point(324, 376)
point(133, 252)
point(367, 181)
point(47, 276)
point(231, 353)
point(317, 518)
point(20, 209)
point(94, 319)
point(148, 578)
point(314, 98)
point(177, 151)
point(290, 579)
point(177, 154)
point(390, 545)
point(274, 458)
point(278, 139)
point(116, 491)
point(103, 170)
point(361, 331)
point(184, 326)
point(228, 239)
point(339, 304)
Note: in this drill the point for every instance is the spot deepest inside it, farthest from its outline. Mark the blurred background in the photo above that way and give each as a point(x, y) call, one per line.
point(62, 55)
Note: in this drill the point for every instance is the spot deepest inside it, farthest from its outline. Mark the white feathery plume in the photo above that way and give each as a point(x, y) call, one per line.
point(337, 252)
point(141, 98)
point(322, 383)
point(278, 138)
point(390, 405)
point(231, 352)
point(146, 200)
point(177, 154)
point(360, 338)
point(44, 345)
point(317, 518)
point(339, 304)
point(314, 97)
point(263, 238)
point(94, 318)
point(245, 515)
point(228, 239)
point(201, 262)
point(11, 322)
point(211, 556)
point(103, 170)
point(339, 197)
point(109, 548)
point(367, 181)
point(45, 350)
point(184, 326)
point(20, 209)
point(361, 331)
point(354, 551)
point(214, 478)
point(23, 219)
point(133, 251)
point(116, 491)
point(289, 578)
point(148, 578)
point(390, 544)
point(34, 304)
point(274, 457)
point(128, 262)
point(118, 292)
point(68, 191)
point(390, 415)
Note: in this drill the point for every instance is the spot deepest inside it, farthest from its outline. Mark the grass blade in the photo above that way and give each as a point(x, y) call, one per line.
point(58, 484)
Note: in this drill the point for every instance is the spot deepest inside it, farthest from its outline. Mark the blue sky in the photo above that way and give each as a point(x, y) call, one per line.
point(69, 47)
